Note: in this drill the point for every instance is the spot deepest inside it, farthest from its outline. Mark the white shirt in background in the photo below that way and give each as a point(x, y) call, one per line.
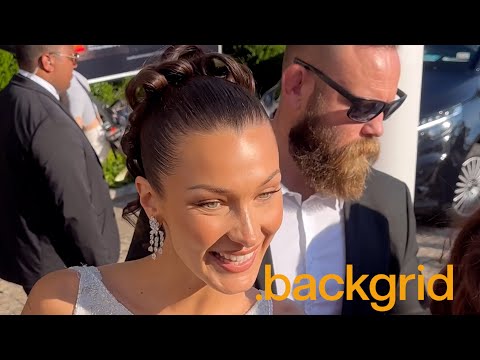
point(311, 240)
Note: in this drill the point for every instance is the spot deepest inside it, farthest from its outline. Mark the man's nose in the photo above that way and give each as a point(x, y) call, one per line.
point(374, 127)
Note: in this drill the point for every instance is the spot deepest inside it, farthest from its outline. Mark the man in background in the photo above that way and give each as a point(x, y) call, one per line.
point(56, 210)
point(341, 216)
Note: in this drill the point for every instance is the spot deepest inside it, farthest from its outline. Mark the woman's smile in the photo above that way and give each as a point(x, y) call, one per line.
point(235, 263)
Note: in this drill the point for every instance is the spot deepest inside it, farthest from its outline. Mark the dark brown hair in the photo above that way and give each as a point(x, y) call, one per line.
point(185, 91)
point(465, 258)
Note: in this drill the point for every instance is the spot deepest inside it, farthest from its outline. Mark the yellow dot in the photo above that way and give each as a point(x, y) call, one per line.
point(421, 267)
point(259, 297)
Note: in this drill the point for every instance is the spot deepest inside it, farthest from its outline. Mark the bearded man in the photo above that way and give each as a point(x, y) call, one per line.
point(338, 210)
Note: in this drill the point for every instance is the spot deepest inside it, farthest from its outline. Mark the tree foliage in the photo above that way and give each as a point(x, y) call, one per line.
point(110, 91)
point(254, 54)
point(265, 61)
point(8, 67)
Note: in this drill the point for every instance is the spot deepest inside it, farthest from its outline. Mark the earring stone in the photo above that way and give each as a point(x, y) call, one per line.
point(156, 238)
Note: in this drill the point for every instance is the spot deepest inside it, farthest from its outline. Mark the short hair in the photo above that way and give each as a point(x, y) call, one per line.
point(27, 55)
point(292, 50)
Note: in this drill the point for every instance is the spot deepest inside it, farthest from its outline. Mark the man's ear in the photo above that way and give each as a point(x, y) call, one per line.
point(295, 88)
point(46, 62)
point(148, 197)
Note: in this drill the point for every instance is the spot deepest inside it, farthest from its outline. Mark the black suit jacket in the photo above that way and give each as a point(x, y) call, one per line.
point(56, 209)
point(380, 236)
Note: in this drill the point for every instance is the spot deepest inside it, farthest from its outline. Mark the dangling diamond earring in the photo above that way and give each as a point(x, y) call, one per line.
point(156, 238)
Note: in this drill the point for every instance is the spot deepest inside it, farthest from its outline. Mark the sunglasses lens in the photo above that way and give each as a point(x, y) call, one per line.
point(393, 107)
point(365, 110)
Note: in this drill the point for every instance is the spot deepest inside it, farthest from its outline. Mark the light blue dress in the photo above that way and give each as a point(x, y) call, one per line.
point(94, 298)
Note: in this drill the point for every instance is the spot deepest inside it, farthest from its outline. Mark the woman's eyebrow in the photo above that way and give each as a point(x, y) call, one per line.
point(220, 190)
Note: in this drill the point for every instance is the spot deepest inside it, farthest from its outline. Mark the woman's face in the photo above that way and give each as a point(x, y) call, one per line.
point(223, 204)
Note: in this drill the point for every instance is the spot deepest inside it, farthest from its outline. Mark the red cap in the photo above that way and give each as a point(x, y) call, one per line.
point(79, 48)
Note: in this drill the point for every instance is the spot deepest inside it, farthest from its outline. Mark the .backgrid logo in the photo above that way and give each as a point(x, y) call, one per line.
point(310, 287)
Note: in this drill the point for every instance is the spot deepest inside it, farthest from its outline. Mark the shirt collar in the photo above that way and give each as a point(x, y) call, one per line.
point(331, 201)
point(43, 83)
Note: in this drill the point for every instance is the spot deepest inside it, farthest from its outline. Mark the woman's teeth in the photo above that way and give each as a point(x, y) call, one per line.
point(236, 259)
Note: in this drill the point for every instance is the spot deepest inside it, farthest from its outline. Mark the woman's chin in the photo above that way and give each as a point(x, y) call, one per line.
point(230, 279)
point(232, 285)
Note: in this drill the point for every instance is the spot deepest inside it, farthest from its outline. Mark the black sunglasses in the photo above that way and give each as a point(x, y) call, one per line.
point(362, 110)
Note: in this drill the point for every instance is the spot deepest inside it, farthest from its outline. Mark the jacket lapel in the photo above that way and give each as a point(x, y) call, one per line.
point(367, 251)
point(350, 254)
point(260, 282)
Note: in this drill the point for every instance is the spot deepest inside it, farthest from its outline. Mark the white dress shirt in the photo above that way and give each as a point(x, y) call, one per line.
point(43, 83)
point(311, 240)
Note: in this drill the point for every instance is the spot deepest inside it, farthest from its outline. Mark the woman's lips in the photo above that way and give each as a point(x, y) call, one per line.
point(234, 263)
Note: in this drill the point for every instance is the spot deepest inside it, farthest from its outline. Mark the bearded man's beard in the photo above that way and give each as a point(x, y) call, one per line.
point(330, 170)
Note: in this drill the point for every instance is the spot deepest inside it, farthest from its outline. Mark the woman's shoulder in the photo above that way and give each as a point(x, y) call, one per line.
point(53, 294)
point(287, 307)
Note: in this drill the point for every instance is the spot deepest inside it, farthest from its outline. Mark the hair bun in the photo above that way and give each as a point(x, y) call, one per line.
point(182, 52)
point(173, 69)
point(178, 64)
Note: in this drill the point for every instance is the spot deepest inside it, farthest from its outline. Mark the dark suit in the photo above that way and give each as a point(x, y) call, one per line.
point(56, 209)
point(380, 232)
point(380, 236)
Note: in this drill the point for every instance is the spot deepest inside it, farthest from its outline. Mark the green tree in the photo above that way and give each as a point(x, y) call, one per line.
point(265, 61)
point(110, 91)
point(8, 67)
point(254, 54)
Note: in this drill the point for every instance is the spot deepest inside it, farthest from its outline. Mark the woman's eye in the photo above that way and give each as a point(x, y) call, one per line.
point(212, 205)
point(267, 195)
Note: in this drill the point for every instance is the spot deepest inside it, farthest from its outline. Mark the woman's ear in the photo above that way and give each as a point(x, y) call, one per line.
point(148, 197)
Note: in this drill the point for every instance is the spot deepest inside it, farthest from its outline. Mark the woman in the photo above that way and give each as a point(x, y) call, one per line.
point(204, 157)
point(465, 258)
